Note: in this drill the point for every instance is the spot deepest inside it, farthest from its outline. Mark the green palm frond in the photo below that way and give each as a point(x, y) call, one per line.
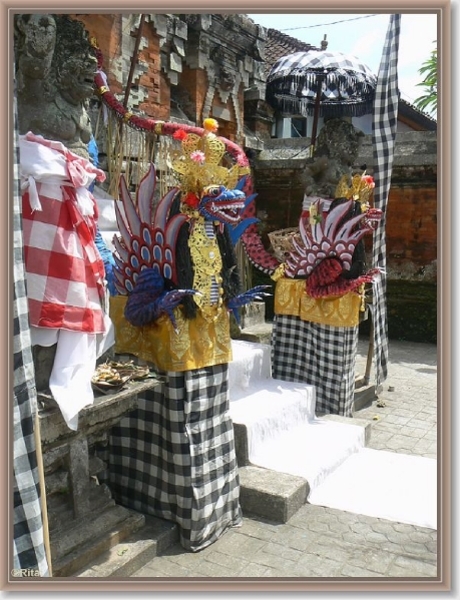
point(429, 69)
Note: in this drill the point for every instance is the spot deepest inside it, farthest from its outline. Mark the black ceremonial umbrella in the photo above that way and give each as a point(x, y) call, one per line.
point(321, 83)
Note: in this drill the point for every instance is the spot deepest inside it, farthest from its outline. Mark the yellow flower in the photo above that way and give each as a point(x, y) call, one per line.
point(210, 125)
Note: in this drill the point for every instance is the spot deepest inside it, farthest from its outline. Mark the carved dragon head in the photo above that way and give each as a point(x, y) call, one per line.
point(218, 203)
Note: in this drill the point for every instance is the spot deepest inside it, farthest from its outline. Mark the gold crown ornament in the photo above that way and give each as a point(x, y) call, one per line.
point(199, 164)
point(360, 189)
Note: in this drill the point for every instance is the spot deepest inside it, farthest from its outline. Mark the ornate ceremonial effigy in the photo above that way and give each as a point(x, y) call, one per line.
point(177, 281)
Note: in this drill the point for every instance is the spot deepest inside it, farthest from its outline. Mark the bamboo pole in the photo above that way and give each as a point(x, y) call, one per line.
point(370, 354)
point(320, 78)
point(129, 83)
point(41, 477)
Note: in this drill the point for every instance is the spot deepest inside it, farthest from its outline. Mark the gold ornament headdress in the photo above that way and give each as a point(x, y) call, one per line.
point(360, 189)
point(199, 165)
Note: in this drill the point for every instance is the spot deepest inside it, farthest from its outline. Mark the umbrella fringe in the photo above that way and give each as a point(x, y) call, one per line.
point(307, 85)
point(331, 108)
point(350, 77)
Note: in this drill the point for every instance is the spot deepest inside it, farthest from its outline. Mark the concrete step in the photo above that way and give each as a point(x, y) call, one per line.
point(61, 513)
point(132, 553)
point(72, 548)
point(282, 448)
point(256, 339)
point(310, 450)
point(278, 435)
point(250, 364)
point(271, 495)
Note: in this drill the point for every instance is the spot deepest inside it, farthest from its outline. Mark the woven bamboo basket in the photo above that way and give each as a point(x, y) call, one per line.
point(281, 241)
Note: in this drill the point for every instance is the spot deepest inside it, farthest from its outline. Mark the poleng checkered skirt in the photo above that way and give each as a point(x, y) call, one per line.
point(174, 456)
point(319, 355)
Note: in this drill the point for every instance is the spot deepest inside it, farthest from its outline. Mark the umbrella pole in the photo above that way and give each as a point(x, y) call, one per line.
point(315, 122)
point(316, 113)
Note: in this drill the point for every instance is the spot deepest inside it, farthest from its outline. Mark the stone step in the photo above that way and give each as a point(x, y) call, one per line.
point(276, 427)
point(271, 495)
point(61, 514)
point(132, 553)
point(72, 548)
point(250, 364)
point(311, 450)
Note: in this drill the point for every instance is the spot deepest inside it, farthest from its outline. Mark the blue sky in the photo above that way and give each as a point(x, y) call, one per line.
point(364, 38)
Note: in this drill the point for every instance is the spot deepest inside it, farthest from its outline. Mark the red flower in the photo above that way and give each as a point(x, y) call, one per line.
point(179, 134)
point(191, 200)
point(368, 180)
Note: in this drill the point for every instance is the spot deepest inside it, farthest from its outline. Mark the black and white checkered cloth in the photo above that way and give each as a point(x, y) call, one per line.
point(28, 542)
point(319, 355)
point(348, 85)
point(383, 137)
point(174, 457)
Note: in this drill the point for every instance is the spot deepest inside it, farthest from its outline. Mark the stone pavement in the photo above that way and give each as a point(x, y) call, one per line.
point(324, 542)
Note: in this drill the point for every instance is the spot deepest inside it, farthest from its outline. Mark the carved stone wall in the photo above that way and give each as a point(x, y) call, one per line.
point(189, 65)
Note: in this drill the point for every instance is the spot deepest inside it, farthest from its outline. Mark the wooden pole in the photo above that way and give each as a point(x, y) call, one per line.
point(370, 354)
point(319, 92)
point(41, 478)
point(129, 83)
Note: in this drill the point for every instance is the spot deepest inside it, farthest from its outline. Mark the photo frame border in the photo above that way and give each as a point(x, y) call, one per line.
point(443, 582)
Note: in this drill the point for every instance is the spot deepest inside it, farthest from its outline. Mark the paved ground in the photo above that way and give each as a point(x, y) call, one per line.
point(323, 542)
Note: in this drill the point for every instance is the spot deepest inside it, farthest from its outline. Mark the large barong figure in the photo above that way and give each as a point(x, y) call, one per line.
point(176, 274)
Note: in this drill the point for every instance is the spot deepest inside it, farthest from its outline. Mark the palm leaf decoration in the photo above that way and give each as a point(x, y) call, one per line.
point(429, 100)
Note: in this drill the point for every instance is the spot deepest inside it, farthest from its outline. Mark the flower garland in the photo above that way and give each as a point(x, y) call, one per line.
point(176, 130)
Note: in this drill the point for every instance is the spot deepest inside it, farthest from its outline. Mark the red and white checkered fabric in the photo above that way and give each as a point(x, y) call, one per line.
point(65, 273)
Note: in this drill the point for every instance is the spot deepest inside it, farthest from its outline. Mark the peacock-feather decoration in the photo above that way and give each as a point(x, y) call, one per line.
point(324, 251)
point(145, 253)
point(148, 238)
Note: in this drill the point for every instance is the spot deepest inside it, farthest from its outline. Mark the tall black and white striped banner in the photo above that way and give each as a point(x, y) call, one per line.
point(29, 556)
point(383, 137)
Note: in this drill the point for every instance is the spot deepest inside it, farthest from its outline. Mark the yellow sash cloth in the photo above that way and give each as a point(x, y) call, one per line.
point(292, 299)
point(199, 342)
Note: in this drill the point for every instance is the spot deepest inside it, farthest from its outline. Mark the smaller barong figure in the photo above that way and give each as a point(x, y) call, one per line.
point(176, 274)
point(319, 292)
